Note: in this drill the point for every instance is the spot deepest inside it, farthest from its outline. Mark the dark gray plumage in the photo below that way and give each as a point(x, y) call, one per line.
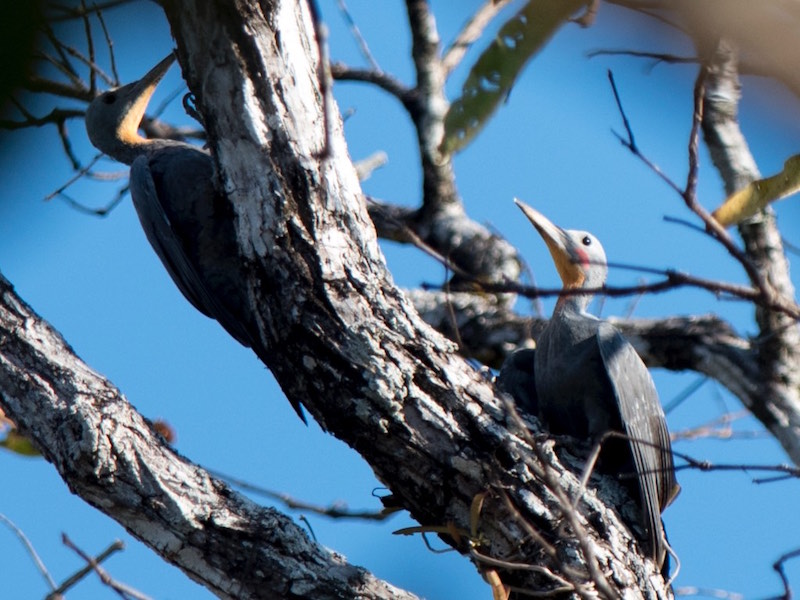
point(517, 377)
point(186, 220)
point(589, 381)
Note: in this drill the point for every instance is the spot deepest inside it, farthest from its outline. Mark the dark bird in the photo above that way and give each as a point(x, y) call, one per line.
point(187, 221)
point(588, 381)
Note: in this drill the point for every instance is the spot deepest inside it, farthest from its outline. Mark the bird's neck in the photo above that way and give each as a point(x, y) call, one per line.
point(573, 303)
point(127, 148)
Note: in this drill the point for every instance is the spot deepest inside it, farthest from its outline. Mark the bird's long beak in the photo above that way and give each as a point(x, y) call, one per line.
point(560, 245)
point(138, 94)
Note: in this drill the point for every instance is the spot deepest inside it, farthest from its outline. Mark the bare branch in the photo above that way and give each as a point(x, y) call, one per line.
point(706, 465)
point(80, 574)
point(380, 79)
point(123, 591)
point(334, 510)
point(65, 12)
point(719, 428)
point(708, 592)
point(778, 565)
point(362, 43)
point(657, 57)
point(470, 34)
point(764, 293)
point(55, 116)
point(429, 109)
point(30, 549)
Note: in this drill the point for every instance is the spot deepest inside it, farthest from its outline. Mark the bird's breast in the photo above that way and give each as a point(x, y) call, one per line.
point(571, 382)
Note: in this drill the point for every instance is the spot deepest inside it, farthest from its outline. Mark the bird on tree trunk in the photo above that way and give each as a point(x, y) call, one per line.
point(186, 219)
point(585, 380)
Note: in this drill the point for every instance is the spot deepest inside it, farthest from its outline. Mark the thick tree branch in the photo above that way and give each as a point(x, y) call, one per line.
point(111, 457)
point(430, 108)
point(778, 343)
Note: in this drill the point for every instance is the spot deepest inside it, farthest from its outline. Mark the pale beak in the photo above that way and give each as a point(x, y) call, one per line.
point(559, 244)
point(138, 94)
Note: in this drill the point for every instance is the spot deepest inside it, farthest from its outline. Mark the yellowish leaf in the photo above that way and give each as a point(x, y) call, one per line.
point(475, 513)
point(499, 591)
point(19, 444)
point(753, 197)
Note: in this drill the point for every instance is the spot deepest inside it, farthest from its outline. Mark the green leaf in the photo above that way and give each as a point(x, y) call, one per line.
point(755, 196)
point(496, 70)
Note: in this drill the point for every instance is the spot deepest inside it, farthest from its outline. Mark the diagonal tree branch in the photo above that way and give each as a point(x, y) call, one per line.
point(111, 457)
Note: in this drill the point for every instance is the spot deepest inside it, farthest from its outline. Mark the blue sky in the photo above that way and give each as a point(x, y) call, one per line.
point(551, 144)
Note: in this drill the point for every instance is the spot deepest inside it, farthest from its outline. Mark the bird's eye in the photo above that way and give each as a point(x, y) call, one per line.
point(587, 241)
point(110, 98)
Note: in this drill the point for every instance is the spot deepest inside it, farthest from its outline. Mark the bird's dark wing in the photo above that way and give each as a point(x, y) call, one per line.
point(189, 226)
point(517, 378)
point(645, 426)
point(160, 233)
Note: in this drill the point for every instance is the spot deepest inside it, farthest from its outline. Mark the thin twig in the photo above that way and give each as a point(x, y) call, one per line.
point(563, 584)
point(706, 465)
point(70, 581)
point(61, 64)
point(90, 62)
point(570, 515)
point(78, 176)
point(56, 43)
point(718, 427)
point(470, 33)
point(30, 549)
point(778, 566)
point(684, 394)
point(109, 44)
point(761, 292)
point(334, 511)
point(685, 223)
point(657, 57)
point(384, 81)
point(708, 592)
point(362, 43)
point(87, 29)
point(67, 12)
point(169, 99)
point(631, 141)
point(122, 590)
point(55, 116)
point(103, 211)
point(63, 135)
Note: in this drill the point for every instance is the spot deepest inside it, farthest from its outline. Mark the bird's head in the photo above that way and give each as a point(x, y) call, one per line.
point(113, 117)
point(578, 255)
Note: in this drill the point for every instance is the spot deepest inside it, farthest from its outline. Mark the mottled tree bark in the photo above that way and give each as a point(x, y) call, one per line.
point(110, 456)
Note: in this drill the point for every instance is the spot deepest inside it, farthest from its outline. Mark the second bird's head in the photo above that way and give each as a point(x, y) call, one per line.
point(578, 255)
